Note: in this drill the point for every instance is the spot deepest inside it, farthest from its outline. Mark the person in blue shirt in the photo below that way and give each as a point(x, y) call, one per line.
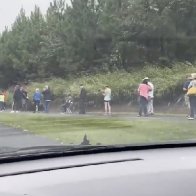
point(37, 99)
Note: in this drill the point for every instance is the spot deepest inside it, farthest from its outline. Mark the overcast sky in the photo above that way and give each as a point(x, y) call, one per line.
point(9, 9)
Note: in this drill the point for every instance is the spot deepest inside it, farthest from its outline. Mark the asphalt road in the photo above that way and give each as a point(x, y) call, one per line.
point(18, 138)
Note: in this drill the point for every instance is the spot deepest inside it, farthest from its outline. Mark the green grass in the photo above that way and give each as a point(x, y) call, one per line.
point(102, 130)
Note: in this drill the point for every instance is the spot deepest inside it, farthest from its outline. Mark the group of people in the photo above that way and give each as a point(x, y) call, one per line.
point(145, 98)
point(21, 99)
point(189, 89)
point(42, 99)
point(106, 93)
point(47, 96)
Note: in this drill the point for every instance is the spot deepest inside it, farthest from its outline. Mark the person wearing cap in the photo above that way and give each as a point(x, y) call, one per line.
point(82, 100)
point(150, 106)
point(143, 91)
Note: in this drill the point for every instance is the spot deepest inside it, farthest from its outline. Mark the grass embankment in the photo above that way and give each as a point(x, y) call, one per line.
point(103, 130)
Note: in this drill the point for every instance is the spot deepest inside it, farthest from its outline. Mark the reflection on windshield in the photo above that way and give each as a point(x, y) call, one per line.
point(103, 72)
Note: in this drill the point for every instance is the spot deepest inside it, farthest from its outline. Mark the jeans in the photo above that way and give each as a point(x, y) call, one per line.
point(143, 103)
point(192, 100)
point(150, 105)
point(46, 106)
point(36, 104)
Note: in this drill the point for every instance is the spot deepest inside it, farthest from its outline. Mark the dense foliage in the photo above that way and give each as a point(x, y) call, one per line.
point(168, 84)
point(93, 36)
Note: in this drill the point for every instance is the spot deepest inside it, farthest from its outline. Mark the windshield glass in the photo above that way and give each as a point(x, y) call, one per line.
point(97, 72)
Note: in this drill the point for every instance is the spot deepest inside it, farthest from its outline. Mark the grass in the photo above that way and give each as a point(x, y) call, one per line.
point(101, 130)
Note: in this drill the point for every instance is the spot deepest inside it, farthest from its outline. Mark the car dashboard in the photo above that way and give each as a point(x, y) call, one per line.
point(152, 172)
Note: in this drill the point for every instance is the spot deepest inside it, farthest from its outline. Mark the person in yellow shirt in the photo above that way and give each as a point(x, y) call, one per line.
point(2, 100)
point(6, 96)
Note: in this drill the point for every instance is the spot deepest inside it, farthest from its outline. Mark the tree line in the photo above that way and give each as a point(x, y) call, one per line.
point(93, 36)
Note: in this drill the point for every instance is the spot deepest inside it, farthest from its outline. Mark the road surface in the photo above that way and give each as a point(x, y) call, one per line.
point(18, 138)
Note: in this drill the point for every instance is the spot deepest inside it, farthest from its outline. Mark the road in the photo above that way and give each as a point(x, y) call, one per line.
point(18, 138)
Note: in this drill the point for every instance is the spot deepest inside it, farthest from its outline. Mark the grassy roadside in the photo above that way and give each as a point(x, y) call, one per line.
point(102, 130)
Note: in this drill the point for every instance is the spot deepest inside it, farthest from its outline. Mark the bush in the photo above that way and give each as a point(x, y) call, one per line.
point(168, 83)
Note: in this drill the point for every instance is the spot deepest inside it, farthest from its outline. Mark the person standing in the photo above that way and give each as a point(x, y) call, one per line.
point(82, 100)
point(192, 98)
point(47, 96)
point(17, 99)
point(6, 95)
point(2, 101)
point(37, 99)
point(143, 91)
point(150, 106)
point(24, 99)
point(107, 99)
point(185, 90)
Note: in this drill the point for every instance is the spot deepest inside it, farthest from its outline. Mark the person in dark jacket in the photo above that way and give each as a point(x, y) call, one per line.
point(24, 99)
point(82, 100)
point(17, 99)
point(47, 97)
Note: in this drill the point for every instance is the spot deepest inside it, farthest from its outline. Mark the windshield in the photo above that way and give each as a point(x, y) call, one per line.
point(97, 73)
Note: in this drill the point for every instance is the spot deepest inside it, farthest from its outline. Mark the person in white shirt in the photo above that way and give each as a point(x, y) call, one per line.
point(150, 106)
point(107, 100)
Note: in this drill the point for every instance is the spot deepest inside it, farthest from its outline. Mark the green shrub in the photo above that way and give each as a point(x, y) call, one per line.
point(167, 81)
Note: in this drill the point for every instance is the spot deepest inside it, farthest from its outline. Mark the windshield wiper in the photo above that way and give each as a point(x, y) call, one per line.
point(40, 152)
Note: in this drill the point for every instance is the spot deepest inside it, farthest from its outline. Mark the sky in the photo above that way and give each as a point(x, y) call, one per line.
point(9, 9)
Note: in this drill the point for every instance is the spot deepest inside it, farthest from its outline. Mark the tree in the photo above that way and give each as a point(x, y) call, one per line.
point(91, 36)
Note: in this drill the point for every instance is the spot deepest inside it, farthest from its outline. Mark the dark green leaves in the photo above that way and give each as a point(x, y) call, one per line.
point(98, 35)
